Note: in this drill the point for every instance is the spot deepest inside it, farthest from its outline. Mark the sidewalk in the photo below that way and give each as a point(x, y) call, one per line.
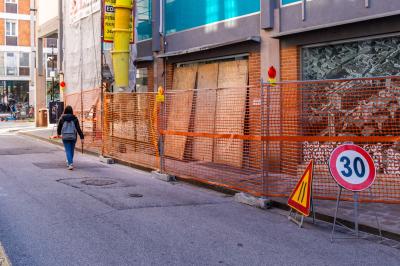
point(42, 134)
point(388, 214)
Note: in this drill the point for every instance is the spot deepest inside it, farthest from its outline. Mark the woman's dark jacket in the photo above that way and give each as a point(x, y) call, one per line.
point(69, 117)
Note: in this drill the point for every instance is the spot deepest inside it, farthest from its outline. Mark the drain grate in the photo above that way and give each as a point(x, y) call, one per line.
point(135, 195)
point(98, 182)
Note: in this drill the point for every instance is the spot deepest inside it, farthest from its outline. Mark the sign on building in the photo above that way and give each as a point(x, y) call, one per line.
point(109, 21)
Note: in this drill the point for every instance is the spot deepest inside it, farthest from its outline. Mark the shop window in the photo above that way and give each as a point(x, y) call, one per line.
point(144, 18)
point(24, 64)
point(364, 58)
point(11, 32)
point(141, 80)
point(11, 63)
point(11, 6)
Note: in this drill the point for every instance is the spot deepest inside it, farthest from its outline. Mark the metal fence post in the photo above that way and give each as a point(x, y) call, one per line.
point(161, 135)
point(264, 143)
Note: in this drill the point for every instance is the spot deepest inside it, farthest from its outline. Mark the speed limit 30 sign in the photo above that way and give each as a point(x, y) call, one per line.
point(352, 167)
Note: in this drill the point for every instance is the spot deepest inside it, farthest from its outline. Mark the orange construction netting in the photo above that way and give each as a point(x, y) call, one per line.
point(256, 140)
point(87, 107)
point(130, 128)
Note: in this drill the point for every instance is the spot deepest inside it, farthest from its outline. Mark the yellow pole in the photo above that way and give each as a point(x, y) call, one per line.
point(122, 36)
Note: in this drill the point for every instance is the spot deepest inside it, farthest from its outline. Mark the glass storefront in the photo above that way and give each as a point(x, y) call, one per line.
point(13, 92)
point(364, 58)
point(52, 94)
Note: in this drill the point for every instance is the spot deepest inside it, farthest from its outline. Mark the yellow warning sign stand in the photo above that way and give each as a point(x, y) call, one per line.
point(301, 198)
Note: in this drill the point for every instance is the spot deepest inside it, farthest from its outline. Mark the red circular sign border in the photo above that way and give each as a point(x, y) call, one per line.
point(336, 176)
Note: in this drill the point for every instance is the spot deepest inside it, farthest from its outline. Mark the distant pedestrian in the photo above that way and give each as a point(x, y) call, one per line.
point(68, 128)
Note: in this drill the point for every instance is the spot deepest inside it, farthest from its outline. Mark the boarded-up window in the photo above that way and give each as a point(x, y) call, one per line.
point(180, 103)
point(230, 111)
point(204, 117)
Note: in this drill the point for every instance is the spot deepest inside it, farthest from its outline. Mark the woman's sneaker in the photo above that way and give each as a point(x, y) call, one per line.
point(70, 167)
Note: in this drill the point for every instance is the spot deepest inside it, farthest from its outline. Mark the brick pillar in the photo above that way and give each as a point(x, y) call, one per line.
point(170, 76)
point(150, 78)
point(290, 63)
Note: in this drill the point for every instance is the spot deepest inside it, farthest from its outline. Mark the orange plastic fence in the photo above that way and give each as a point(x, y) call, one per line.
point(312, 118)
point(130, 128)
point(259, 140)
point(214, 136)
point(261, 143)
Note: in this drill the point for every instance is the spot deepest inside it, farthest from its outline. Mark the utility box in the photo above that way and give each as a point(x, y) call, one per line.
point(42, 119)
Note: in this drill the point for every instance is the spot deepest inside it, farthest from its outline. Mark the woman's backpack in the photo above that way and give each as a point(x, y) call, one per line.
point(68, 131)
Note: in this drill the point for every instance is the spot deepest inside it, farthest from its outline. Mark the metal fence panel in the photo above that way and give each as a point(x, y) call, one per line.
point(315, 117)
point(130, 128)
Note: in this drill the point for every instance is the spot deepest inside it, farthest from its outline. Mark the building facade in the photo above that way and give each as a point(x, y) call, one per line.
point(214, 56)
point(304, 40)
point(195, 33)
point(15, 53)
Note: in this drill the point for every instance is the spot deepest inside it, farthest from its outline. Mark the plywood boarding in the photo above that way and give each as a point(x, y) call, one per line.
point(204, 117)
point(143, 122)
point(179, 110)
point(230, 111)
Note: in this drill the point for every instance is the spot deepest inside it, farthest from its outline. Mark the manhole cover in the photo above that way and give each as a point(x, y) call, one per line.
point(135, 195)
point(98, 182)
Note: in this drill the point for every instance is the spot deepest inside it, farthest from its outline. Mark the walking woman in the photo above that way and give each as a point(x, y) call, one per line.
point(68, 128)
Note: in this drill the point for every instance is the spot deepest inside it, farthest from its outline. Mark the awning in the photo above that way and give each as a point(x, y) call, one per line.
point(210, 46)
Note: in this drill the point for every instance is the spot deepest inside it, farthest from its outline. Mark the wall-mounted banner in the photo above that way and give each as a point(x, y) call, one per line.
point(109, 22)
point(80, 9)
point(290, 2)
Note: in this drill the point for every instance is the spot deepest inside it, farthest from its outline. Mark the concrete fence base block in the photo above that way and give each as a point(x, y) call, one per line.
point(262, 203)
point(106, 160)
point(162, 177)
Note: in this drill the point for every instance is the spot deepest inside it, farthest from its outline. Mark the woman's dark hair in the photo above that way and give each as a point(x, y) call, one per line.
point(68, 110)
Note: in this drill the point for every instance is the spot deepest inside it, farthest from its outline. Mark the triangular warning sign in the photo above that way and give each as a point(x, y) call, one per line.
point(300, 199)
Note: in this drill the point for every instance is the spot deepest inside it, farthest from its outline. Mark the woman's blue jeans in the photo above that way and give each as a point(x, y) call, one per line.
point(69, 146)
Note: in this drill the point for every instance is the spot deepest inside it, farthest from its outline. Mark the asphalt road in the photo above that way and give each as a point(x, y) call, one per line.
point(52, 216)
